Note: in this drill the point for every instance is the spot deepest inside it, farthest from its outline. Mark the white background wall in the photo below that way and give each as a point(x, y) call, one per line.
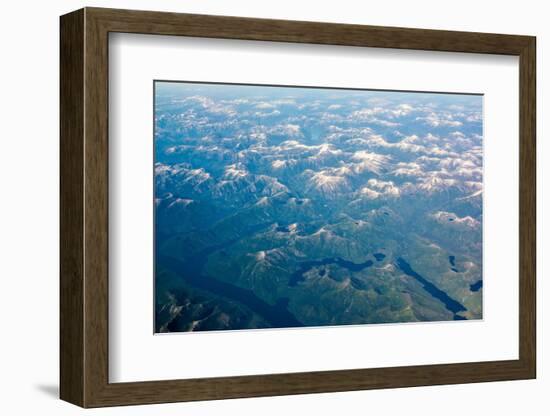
point(29, 206)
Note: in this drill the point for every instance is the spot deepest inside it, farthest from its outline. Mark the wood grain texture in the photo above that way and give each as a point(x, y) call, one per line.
point(71, 158)
point(528, 207)
point(84, 207)
point(96, 208)
point(162, 23)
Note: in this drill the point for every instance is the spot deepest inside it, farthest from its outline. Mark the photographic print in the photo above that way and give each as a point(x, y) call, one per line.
point(284, 206)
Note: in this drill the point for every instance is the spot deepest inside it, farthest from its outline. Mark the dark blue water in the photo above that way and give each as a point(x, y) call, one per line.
point(379, 256)
point(476, 286)
point(191, 269)
point(298, 275)
point(453, 264)
point(451, 304)
point(277, 315)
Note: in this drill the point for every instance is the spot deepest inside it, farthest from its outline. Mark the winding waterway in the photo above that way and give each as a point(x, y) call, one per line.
point(277, 315)
point(450, 303)
point(191, 271)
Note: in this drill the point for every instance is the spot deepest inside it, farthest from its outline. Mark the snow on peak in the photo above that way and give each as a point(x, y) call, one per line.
point(453, 220)
point(376, 188)
point(435, 183)
point(197, 176)
point(278, 164)
point(328, 183)
point(181, 202)
point(411, 169)
point(368, 161)
point(235, 171)
point(328, 149)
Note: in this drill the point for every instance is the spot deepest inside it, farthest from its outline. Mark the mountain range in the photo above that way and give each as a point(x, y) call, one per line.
point(282, 207)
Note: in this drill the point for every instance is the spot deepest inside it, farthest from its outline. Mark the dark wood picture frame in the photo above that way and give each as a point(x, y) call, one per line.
point(84, 207)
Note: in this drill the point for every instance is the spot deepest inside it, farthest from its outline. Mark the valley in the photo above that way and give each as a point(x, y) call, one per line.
point(290, 207)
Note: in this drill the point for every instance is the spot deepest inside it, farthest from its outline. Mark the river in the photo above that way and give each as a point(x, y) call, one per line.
point(451, 304)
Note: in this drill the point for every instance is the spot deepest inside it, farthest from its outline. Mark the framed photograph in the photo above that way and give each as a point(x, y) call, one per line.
point(256, 207)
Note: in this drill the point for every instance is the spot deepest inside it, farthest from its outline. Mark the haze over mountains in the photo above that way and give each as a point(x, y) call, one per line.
point(284, 207)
